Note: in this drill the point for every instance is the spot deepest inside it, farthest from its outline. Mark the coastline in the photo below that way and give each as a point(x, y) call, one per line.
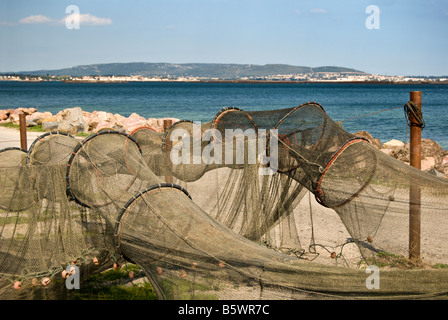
point(419, 82)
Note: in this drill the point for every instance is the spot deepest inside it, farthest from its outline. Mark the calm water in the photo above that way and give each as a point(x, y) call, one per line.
point(201, 101)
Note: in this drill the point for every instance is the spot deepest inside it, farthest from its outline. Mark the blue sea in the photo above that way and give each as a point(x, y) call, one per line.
point(201, 101)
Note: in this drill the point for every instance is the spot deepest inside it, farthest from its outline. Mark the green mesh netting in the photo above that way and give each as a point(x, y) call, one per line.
point(300, 219)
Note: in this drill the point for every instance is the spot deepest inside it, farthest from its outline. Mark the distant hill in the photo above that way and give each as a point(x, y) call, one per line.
point(206, 70)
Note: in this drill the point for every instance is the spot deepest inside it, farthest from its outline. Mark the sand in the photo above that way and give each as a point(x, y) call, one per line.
point(11, 137)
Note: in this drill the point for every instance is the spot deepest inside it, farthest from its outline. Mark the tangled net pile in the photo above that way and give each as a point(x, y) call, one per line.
point(202, 229)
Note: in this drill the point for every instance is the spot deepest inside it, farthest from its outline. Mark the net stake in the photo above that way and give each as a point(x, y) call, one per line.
point(414, 190)
point(22, 121)
point(167, 123)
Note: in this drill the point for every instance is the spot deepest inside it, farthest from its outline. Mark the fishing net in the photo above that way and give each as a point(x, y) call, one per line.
point(218, 210)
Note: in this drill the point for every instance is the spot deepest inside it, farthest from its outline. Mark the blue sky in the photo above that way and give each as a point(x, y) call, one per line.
point(412, 38)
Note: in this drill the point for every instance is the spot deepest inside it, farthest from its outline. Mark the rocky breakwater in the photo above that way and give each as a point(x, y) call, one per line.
point(433, 158)
point(75, 120)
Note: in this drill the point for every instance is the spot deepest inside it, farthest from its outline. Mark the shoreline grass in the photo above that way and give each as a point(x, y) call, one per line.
point(36, 128)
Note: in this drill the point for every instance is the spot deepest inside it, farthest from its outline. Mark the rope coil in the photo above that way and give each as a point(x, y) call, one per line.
point(411, 108)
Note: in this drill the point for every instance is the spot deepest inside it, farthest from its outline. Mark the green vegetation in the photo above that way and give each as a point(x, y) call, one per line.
point(440, 266)
point(185, 290)
point(37, 128)
point(11, 125)
point(390, 260)
point(115, 285)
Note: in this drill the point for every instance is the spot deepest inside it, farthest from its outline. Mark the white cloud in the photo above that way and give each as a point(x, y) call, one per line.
point(89, 20)
point(7, 24)
point(84, 20)
point(37, 19)
point(318, 10)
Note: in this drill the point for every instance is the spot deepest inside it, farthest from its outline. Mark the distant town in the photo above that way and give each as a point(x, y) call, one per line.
point(301, 77)
point(208, 72)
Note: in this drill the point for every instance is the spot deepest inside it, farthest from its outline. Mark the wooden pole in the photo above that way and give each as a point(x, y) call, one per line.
point(166, 124)
point(414, 190)
point(23, 142)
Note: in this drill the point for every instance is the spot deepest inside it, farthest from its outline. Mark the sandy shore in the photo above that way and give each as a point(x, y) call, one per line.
point(11, 137)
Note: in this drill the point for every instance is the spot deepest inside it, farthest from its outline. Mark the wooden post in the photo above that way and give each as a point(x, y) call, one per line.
point(414, 190)
point(166, 124)
point(23, 142)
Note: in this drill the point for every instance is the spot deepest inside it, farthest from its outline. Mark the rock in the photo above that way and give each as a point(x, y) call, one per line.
point(37, 117)
point(13, 114)
point(377, 143)
point(101, 116)
point(133, 121)
point(14, 118)
point(430, 148)
point(428, 163)
point(387, 151)
point(99, 119)
point(432, 154)
point(3, 115)
point(393, 144)
point(48, 119)
point(27, 111)
point(119, 120)
point(374, 141)
point(50, 125)
point(30, 123)
point(72, 120)
point(107, 125)
point(445, 160)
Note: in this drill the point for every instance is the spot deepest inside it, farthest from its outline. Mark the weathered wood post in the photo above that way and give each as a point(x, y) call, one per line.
point(23, 141)
point(166, 124)
point(414, 190)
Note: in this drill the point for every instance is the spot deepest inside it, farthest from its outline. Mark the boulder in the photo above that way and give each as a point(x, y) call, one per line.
point(119, 120)
point(432, 154)
point(387, 151)
point(37, 117)
point(428, 163)
point(71, 120)
point(107, 125)
point(99, 119)
point(26, 111)
point(50, 125)
point(133, 121)
point(392, 144)
point(14, 118)
point(3, 115)
point(374, 141)
point(30, 123)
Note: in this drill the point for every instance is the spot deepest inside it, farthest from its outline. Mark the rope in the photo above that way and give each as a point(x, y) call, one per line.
point(411, 108)
point(369, 114)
